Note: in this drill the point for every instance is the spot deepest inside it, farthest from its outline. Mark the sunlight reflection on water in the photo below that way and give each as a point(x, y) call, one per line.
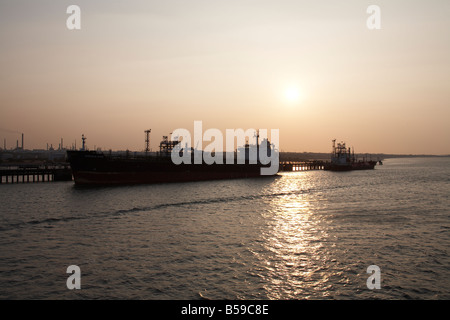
point(302, 235)
point(293, 243)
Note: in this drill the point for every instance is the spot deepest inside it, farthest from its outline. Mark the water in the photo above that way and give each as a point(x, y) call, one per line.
point(302, 235)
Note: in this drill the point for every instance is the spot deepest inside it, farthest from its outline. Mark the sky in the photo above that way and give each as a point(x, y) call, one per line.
point(311, 69)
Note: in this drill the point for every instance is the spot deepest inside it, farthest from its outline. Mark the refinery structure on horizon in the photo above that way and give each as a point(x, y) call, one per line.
point(58, 153)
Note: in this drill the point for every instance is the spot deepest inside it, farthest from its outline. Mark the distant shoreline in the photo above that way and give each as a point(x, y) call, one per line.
point(298, 156)
point(10, 157)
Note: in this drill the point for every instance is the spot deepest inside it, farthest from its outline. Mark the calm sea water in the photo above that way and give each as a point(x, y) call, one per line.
point(302, 235)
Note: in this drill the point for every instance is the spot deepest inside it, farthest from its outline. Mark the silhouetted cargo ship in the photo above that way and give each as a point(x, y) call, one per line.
point(98, 168)
point(343, 159)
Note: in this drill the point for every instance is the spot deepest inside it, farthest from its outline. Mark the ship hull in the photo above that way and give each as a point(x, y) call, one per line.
point(351, 166)
point(91, 168)
point(117, 178)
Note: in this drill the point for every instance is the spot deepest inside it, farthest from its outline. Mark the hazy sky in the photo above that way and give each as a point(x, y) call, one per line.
point(160, 65)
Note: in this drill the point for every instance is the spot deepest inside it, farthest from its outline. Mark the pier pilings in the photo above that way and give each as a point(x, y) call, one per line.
point(30, 175)
point(302, 165)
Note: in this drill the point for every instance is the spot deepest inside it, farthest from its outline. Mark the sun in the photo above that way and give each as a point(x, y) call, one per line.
point(292, 94)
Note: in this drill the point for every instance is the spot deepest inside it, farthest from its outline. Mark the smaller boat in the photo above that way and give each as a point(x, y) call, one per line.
point(343, 159)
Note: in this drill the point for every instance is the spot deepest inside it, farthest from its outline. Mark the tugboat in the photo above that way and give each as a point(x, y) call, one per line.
point(343, 159)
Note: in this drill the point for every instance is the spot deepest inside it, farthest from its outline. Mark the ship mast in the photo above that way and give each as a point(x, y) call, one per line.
point(147, 140)
point(83, 138)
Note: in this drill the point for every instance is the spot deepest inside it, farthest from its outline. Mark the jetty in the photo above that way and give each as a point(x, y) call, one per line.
point(302, 165)
point(30, 174)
